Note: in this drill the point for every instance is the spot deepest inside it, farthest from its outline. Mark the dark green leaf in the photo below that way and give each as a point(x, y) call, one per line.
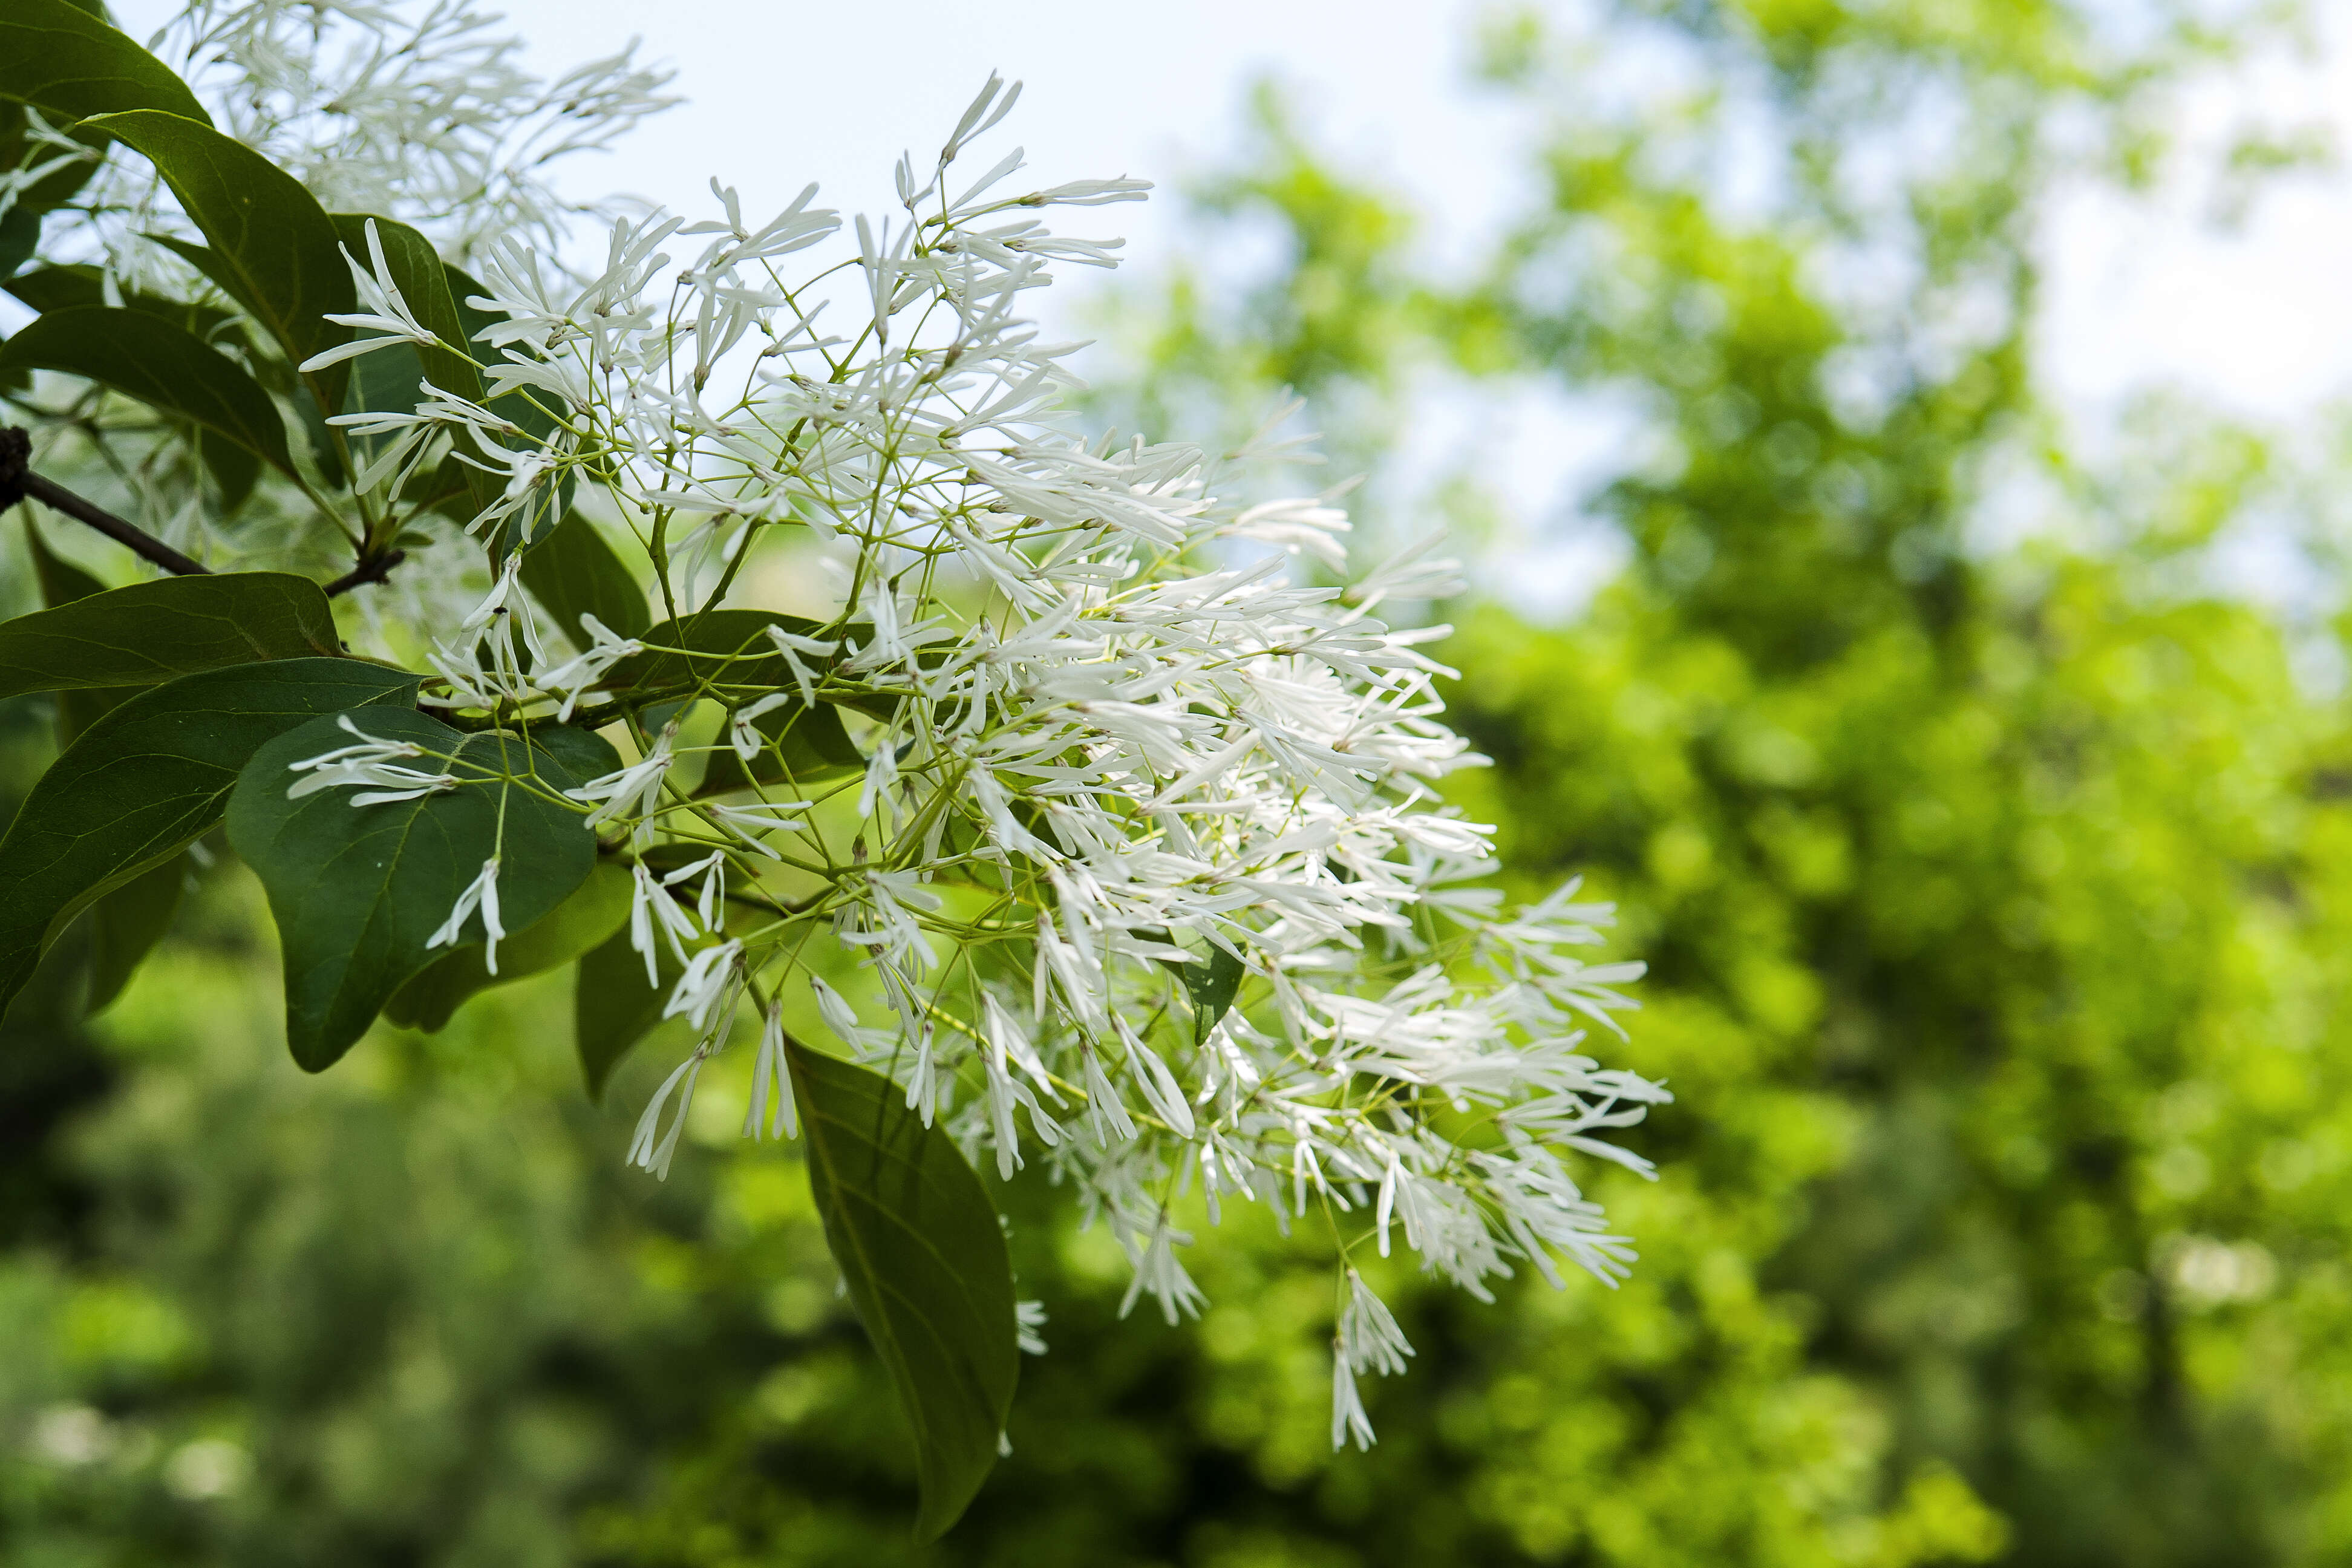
point(19, 152)
point(126, 924)
point(423, 280)
point(920, 1247)
point(147, 779)
point(72, 65)
point(596, 909)
point(386, 379)
point(519, 409)
point(20, 235)
point(1212, 987)
point(159, 630)
point(516, 407)
point(613, 1006)
point(804, 744)
point(63, 287)
point(163, 365)
point(358, 891)
point(272, 247)
point(234, 469)
point(723, 647)
point(572, 571)
point(583, 753)
point(62, 582)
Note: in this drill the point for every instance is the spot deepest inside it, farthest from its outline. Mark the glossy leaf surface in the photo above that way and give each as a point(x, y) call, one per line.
point(271, 244)
point(71, 65)
point(357, 891)
point(163, 365)
point(159, 630)
point(596, 909)
point(920, 1245)
point(147, 779)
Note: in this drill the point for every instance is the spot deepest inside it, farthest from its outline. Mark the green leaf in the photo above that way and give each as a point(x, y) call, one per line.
point(804, 744)
point(63, 287)
point(163, 365)
point(159, 630)
point(62, 582)
point(20, 235)
point(612, 1007)
point(20, 153)
point(147, 779)
point(725, 648)
point(1212, 987)
point(583, 753)
point(424, 281)
point(124, 927)
point(357, 891)
point(596, 909)
point(234, 469)
point(273, 247)
point(922, 1251)
point(72, 65)
point(572, 571)
point(520, 409)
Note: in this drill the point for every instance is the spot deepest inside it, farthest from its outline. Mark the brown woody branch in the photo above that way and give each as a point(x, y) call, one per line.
point(374, 569)
point(18, 482)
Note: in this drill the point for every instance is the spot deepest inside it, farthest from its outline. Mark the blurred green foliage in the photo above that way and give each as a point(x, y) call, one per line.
point(1993, 866)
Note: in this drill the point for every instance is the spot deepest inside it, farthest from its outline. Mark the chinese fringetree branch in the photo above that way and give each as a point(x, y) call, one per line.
point(18, 482)
point(374, 569)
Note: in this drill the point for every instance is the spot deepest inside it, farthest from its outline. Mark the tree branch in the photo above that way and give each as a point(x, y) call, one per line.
point(18, 482)
point(374, 570)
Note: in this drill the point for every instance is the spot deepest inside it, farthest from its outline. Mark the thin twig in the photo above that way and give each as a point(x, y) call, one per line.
point(374, 570)
point(18, 482)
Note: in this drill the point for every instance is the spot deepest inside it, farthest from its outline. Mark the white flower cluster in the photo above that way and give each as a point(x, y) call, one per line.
point(1125, 763)
point(419, 112)
point(1144, 862)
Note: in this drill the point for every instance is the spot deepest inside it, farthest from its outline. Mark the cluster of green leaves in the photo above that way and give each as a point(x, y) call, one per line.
point(185, 702)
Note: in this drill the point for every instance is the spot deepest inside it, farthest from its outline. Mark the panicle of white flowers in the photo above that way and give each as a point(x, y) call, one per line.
point(422, 112)
point(1145, 858)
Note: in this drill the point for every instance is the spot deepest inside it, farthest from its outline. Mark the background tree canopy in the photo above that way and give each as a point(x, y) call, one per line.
point(1993, 867)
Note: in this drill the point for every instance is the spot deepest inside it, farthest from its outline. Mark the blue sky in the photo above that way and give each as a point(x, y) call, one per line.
point(2259, 320)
